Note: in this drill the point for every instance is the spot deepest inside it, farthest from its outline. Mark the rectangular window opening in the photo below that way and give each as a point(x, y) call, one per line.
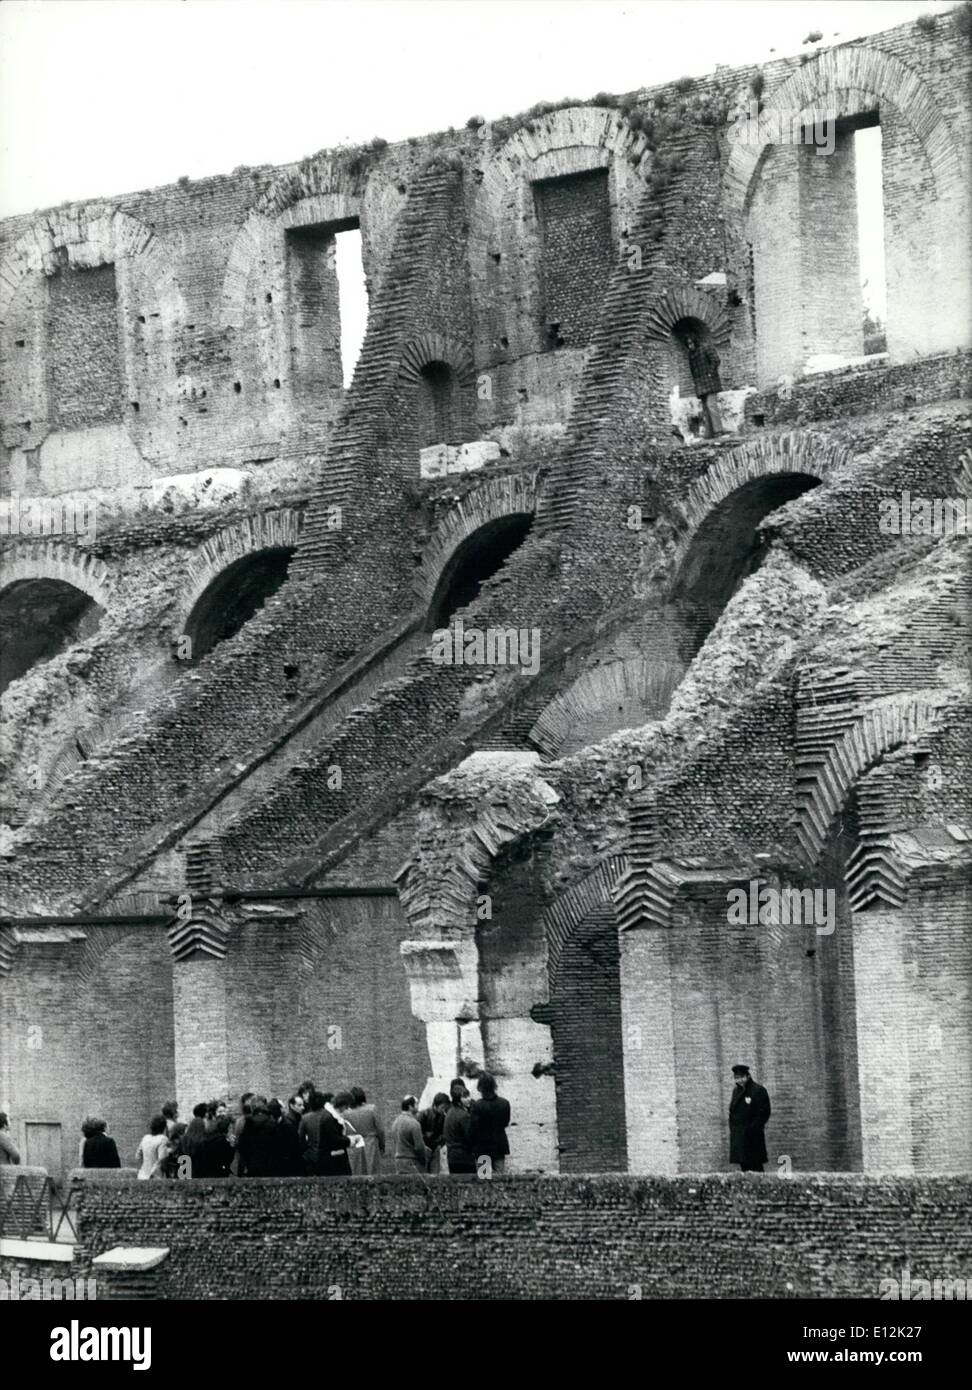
point(329, 301)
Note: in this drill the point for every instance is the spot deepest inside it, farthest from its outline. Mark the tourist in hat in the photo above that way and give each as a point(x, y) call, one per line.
point(749, 1109)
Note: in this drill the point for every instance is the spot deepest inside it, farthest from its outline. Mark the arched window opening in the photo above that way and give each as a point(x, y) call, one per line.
point(696, 367)
point(479, 557)
point(820, 297)
point(439, 412)
point(40, 618)
point(726, 548)
point(233, 597)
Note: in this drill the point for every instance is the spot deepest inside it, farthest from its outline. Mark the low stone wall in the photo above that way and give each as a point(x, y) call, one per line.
point(605, 1237)
point(864, 390)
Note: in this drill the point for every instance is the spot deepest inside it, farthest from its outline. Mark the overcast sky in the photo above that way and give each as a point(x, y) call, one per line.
point(100, 97)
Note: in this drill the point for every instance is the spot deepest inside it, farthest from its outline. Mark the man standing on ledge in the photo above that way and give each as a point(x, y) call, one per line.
point(749, 1110)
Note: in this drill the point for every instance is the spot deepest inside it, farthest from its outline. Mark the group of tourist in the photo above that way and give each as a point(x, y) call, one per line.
point(316, 1133)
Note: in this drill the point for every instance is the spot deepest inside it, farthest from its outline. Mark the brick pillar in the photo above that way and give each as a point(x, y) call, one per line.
point(199, 1007)
point(648, 1038)
point(776, 265)
point(199, 1010)
point(832, 304)
point(881, 989)
point(914, 1030)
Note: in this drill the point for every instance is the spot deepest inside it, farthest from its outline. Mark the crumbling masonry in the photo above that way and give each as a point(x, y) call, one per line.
point(253, 830)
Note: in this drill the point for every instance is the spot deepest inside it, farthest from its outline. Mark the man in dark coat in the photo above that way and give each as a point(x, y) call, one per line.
point(455, 1130)
point(704, 366)
point(98, 1149)
point(488, 1120)
point(749, 1109)
point(333, 1143)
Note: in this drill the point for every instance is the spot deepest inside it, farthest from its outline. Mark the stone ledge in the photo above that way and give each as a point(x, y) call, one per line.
point(36, 1250)
point(130, 1259)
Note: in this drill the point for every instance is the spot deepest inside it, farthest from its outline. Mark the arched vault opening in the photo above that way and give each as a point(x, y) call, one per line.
point(234, 596)
point(40, 618)
point(477, 559)
point(726, 548)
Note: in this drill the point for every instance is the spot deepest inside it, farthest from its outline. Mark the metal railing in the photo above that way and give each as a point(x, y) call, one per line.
point(32, 1208)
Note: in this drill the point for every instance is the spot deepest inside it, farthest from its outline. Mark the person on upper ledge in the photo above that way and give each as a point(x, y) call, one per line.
point(704, 365)
point(749, 1109)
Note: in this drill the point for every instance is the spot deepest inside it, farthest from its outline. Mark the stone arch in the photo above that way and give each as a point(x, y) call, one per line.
point(287, 356)
point(628, 682)
point(434, 347)
point(46, 605)
point(584, 1013)
point(52, 561)
point(503, 243)
point(770, 180)
point(722, 512)
point(513, 495)
point(687, 302)
point(235, 573)
point(823, 784)
point(289, 203)
point(91, 236)
point(579, 902)
point(149, 308)
point(265, 531)
point(794, 452)
point(441, 374)
point(847, 81)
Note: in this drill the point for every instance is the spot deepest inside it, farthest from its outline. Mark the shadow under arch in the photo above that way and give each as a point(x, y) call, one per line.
point(39, 618)
point(474, 561)
point(234, 596)
point(727, 548)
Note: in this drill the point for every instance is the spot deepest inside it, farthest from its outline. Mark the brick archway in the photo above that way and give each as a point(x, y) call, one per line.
point(823, 784)
point(776, 455)
point(687, 303)
point(433, 347)
point(260, 278)
point(504, 235)
point(591, 895)
point(91, 236)
point(265, 531)
point(321, 191)
point(516, 494)
point(51, 561)
point(148, 310)
point(848, 81)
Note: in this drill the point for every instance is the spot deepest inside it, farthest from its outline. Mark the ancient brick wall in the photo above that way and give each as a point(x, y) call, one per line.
point(585, 1011)
point(87, 1028)
point(576, 256)
point(710, 1237)
point(85, 366)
